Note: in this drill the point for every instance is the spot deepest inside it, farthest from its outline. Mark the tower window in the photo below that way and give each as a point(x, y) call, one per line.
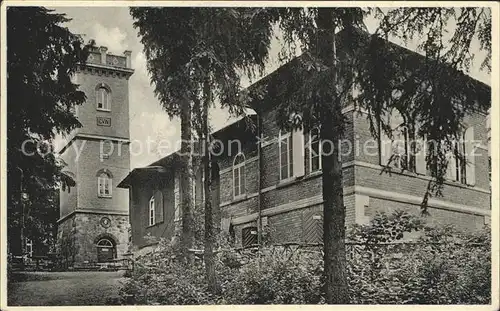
point(103, 98)
point(104, 185)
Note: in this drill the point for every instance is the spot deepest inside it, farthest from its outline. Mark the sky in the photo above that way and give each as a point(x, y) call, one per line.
point(113, 27)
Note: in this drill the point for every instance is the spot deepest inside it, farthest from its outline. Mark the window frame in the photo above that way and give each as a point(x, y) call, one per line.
point(320, 167)
point(104, 244)
point(288, 137)
point(241, 177)
point(102, 179)
point(152, 211)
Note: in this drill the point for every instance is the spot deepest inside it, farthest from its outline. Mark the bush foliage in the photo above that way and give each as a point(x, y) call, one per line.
point(396, 259)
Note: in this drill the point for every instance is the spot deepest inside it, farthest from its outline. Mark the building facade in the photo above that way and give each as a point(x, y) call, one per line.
point(272, 187)
point(93, 225)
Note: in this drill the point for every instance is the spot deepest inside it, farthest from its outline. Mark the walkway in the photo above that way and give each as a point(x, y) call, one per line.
point(64, 288)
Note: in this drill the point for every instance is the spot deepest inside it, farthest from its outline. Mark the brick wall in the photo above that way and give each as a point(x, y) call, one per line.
point(68, 198)
point(89, 165)
point(371, 155)
point(412, 184)
point(436, 216)
point(368, 173)
point(291, 222)
point(288, 206)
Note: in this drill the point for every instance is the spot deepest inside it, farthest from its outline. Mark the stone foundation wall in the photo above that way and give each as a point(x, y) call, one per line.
point(79, 233)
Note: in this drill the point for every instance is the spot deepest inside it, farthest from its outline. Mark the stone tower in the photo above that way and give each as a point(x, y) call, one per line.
point(93, 224)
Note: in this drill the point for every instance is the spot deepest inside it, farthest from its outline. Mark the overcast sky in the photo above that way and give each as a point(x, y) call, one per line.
point(112, 27)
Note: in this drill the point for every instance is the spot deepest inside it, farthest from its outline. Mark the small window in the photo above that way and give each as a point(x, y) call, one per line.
point(105, 243)
point(249, 237)
point(103, 98)
point(152, 211)
point(286, 155)
point(314, 150)
point(104, 185)
point(239, 175)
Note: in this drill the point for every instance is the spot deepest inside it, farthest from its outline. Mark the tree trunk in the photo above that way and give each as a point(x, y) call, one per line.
point(187, 236)
point(336, 289)
point(209, 225)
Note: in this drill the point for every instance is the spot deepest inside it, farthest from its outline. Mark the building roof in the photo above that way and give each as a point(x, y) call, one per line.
point(272, 88)
point(141, 171)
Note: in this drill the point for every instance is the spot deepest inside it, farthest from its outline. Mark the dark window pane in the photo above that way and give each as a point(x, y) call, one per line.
point(284, 172)
point(242, 180)
point(236, 182)
point(315, 164)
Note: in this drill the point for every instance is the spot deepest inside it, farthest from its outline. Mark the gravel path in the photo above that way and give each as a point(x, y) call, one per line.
point(64, 288)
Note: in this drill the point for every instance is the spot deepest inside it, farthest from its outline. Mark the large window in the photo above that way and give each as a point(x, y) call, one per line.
point(151, 211)
point(399, 142)
point(408, 152)
point(314, 150)
point(457, 161)
point(286, 155)
point(396, 151)
point(104, 184)
point(103, 98)
point(239, 175)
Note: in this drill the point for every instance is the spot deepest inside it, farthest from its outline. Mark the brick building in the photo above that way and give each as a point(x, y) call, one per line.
point(273, 185)
point(94, 224)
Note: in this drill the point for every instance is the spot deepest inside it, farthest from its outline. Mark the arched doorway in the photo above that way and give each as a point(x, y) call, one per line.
point(106, 250)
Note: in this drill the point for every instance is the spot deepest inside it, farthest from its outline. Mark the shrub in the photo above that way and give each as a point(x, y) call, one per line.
point(439, 266)
point(161, 278)
point(277, 277)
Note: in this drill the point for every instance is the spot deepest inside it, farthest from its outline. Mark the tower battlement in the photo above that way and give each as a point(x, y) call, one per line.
point(100, 56)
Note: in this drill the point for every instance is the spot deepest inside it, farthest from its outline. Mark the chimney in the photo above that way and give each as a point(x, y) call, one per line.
point(128, 55)
point(103, 50)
